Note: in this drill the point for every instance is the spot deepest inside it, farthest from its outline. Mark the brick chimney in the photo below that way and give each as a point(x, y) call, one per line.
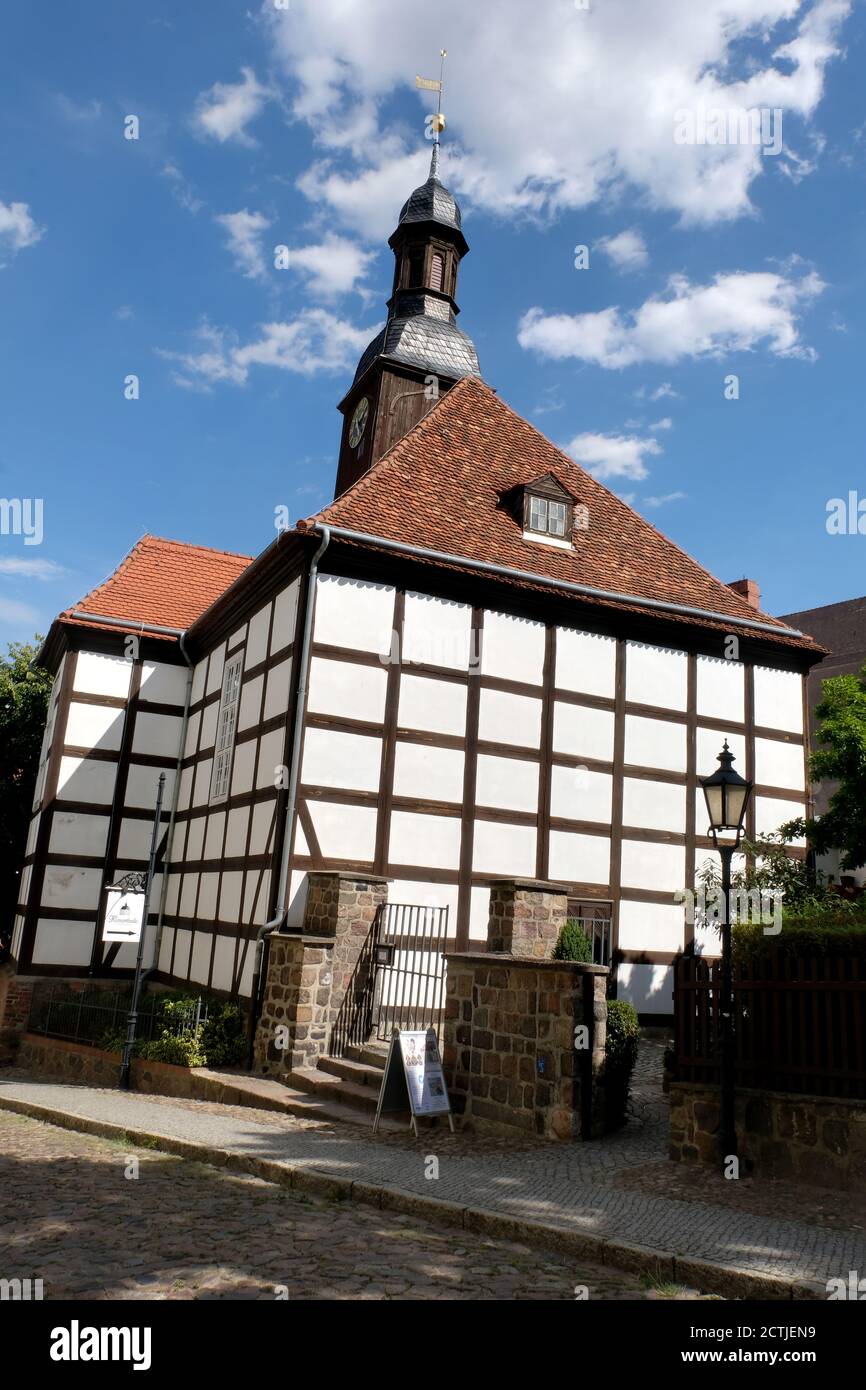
point(747, 589)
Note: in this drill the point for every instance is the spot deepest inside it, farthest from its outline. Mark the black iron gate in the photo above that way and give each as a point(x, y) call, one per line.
point(399, 979)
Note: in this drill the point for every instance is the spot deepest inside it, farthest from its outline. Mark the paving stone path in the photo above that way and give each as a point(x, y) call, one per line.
point(622, 1188)
point(183, 1230)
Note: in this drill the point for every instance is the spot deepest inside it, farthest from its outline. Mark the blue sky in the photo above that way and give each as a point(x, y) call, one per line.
point(299, 125)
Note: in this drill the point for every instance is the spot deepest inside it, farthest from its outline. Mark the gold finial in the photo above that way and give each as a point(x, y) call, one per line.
point(436, 122)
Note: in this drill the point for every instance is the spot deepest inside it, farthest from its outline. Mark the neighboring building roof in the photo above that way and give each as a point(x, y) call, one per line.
point(160, 582)
point(441, 486)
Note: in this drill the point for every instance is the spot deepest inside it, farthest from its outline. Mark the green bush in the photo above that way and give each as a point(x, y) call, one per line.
point(222, 1036)
point(805, 935)
point(573, 944)
point(623, 1036)
point(183, 1051)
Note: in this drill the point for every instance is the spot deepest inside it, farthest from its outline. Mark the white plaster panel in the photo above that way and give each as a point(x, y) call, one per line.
point(341, 760)
point(479, 913)
point(655, 743)
point(24, 886)
point(257, 637)
point(511, 719)
point(68, 887)
point(285, 617)
point(62, 943)
point(256, 890)
point(653, 805)
point(779, 699)
point(230, 896)
point(172, 893)
point(163, 683)
point(578, 794)
point(721, 689)
point(242, 767)
point(199, 966)
point(102, 675)
point(651, 926)
point(656, 676)
point(134, 839)
point(345, 689)
point(237, 639)
point(434, 705)
point(207, 897)
point(771, 812)
point(431, 841)
point(270, 758)
point(187, 895)
point(201, 786)
point(195, 839)
point(344, 832)
point(277, 692)
point(507, 784)
point(236, 832)
point(165, 949)
point(223, 963)
point(185, 789)
point(504, 849)
point(251, 702)
point(431, 774)
point(199, 677)
point(353, 614)
point(158, 735)
point(213, 838)
point(302, 848)
point(650, 988)
point(708, 746)
point(86, 779)
point(142, 783)
point(512, 648)
point(190, 742)
point(579, 858)
point(586, 662)
point(74, 833)
point(262, 836)
point(405, 890)
point(182, 938)
point(207, 737)
point(780, 764)
point(436, 632)
point(215, 669)
point(583, 732)
point(32, 832)
point(661, 868)
point(93, 726)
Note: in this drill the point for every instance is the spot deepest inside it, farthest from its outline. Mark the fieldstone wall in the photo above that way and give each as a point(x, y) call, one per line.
point(16, 994)
point(513, 1053)
point(309, 972)
point(812, 1139)
point(526, 917)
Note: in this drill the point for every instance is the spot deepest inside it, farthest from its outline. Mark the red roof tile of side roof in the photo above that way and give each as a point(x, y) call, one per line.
point(441, 486)
point(166, 583)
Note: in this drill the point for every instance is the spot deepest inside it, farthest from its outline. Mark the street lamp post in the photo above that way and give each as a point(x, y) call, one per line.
point(727, 795)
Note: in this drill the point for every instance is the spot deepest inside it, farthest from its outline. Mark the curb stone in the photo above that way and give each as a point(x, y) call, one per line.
point(707, 1276)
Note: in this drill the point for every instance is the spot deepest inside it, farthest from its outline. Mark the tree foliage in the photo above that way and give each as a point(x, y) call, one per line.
point(24, 693)
point(841, 758)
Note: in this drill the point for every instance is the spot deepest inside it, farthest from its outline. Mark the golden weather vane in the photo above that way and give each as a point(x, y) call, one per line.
point(430, 84)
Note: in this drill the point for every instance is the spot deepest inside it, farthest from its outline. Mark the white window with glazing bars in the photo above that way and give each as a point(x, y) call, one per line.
point(226, 725)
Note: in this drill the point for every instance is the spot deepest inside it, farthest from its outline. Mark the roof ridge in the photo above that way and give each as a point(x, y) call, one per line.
point(195, 545)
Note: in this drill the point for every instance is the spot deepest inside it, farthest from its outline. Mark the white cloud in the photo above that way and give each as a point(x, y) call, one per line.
point(666, 423)
point(541, 126)
point(11, 611)
point(79, 112)
point(659, 394)
point(737, 312)
point(334, 266)
point(664, 499)
point(225, 110)
point(17, 229)
point(627, 249)
point(244, 234)
point(313, 342)
point(181, 188)
point(32, 569)
point(612, 455)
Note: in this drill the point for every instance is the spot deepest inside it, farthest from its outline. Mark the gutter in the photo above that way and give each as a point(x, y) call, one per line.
point(584, 590)
point(131, 624)
point(276, 923)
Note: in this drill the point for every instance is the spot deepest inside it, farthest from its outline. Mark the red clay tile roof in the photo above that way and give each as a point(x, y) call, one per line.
point(168, 583)
point(440, 487)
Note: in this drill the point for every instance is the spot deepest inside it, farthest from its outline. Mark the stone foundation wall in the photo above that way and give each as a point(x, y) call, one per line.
point(812, 1139)
point(16, 994)
point(310, 972)
point(509, 1044)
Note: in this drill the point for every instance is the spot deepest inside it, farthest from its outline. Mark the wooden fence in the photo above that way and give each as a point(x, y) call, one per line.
point(800, 1023)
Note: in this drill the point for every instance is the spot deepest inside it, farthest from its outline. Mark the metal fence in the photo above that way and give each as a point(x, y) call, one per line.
point(94, 1016)
point(799, 1023)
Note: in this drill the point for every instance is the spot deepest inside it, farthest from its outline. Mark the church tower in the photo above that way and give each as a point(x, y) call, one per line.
point(420, 352)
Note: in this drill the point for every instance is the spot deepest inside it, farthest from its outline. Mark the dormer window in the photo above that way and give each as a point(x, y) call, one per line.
point(547, 517)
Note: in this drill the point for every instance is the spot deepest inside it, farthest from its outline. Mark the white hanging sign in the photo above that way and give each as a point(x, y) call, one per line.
point(123, 916)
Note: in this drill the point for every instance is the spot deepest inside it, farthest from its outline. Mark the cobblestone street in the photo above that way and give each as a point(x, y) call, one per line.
point(182, 1230)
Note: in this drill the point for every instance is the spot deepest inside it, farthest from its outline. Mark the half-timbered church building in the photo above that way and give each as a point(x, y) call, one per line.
point(475, 663)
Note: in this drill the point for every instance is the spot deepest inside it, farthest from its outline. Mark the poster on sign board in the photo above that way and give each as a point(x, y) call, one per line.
point(413, 1078)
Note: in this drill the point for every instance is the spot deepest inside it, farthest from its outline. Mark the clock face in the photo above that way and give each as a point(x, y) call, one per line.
point(359, 422)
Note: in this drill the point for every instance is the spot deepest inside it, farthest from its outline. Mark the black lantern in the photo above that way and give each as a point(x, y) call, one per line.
point(727, 795)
